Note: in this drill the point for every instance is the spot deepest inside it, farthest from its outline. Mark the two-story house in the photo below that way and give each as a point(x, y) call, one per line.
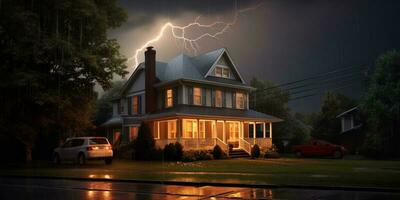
point(198, 101)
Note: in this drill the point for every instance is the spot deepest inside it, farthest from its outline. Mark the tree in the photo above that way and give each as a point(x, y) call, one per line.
point(381, 106)
point(269, 98)
point(325, 125)
point(53, 52)
point(144, 144)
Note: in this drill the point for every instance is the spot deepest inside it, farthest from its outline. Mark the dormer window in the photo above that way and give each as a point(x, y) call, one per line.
point(222, 71)
point(169, 98)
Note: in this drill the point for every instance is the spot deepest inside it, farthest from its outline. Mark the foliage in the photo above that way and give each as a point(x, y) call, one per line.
point(178, 151)
point(381, 106)
point(325, 125)
point(218, 153)
point(52, 54)
point(173, 151)
point(255, 151)
point(144, 144)
point(104, 105)
point(190, 156)
point(269, 98)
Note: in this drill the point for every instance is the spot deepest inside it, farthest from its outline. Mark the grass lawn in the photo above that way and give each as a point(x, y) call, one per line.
point(283, 171)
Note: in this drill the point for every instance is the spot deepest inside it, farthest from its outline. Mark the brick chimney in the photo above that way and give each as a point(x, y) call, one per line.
point(151, 95)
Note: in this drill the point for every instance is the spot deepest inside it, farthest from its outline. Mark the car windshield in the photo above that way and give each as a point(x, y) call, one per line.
point(98, 141)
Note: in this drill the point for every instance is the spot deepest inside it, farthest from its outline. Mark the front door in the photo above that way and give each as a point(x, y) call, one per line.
point(233, 134)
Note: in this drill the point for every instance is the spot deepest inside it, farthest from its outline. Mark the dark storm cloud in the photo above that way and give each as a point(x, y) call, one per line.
point(144, 12)
point(283, 40)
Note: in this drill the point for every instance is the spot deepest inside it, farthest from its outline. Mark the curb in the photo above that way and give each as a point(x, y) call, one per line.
point(199, 184)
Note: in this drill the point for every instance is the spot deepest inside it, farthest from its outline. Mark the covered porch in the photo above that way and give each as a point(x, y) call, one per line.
point(203, 133)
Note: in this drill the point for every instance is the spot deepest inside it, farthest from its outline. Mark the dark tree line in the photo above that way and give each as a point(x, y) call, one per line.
point(52, 54)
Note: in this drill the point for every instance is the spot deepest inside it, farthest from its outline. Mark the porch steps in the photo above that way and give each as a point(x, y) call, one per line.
point(238, 153)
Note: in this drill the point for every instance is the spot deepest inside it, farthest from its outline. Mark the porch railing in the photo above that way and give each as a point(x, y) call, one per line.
point(246, 146)
point(224, 146)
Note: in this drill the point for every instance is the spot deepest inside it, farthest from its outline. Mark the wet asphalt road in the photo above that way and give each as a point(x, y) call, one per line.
point(43, 189)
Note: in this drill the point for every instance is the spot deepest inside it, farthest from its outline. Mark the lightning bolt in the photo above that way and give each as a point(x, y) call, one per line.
point(191, 44)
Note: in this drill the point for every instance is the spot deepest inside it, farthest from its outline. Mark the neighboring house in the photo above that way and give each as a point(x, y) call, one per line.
point(198, 101)
point(352, 136)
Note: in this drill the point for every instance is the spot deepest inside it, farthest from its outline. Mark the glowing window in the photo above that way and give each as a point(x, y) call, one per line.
point(169, 98)
point(218, 98)
point(239, 100)
point(135, 105)
point(197, 96)
point(190, 129)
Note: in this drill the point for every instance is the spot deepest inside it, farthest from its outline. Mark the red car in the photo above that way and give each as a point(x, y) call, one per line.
point(319, 148)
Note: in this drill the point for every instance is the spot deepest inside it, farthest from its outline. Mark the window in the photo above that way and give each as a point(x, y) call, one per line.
point(218, 71)
point(98, 141)
point(259, 130)
point(166, 129)
point(221, 71)
point(135, 105)
point(190, 129)
point(133, 133)
point(218, 98)
point(169, 100)
point(197, 96)
point(171, 129)
point(120, 107)
point(233, 128)
point(239, 100)
point(225, 73)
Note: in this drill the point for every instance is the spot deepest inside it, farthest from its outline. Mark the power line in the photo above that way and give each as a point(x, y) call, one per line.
point(314, 77)
point(318, 93)
point(319, 85)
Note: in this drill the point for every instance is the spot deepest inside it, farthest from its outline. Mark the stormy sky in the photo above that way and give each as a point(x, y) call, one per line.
point(280, 40)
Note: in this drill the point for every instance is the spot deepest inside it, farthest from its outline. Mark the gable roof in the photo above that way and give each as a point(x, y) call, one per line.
point(347, 112)
point(196, 68)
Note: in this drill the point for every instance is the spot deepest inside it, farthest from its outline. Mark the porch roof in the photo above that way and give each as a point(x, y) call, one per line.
point(201, 111)
point(114, 121)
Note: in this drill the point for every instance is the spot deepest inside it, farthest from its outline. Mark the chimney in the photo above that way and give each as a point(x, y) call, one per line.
point(150, 70)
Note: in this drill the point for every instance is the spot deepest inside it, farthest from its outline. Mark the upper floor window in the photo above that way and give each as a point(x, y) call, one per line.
point(240, 100)
point(197, 96)
point(169, 98)
point(135, 105)
point(222, 72)
point(218, 98)
point(120, 107)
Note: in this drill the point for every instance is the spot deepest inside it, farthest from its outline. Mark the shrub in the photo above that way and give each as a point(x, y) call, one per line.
point(190, 156)
point(255, 151)
point(144, 144)
point(217, 152)
point(124, 151)
point(178, 151)
point(169, 152)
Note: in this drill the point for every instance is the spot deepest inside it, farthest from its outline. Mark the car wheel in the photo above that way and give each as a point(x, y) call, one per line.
point(337, 154)
point(108, 161)
point(56, 159)
point(299, 154)
point(81, 159)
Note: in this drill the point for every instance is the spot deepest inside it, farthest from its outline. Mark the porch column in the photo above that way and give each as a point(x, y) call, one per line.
point(179, 130)
point(223, 131)
point(270, 130)
point(263, 129)
point(254, 132)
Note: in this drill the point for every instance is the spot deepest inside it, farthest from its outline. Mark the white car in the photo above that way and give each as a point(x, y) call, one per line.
point(81, 149)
